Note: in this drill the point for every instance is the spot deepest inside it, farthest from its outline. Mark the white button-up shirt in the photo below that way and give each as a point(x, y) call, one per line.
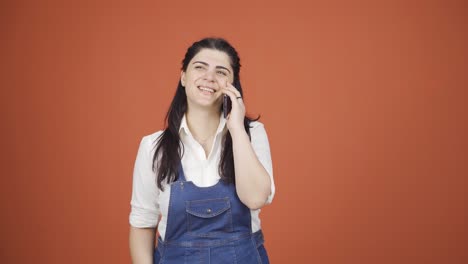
point(149, 205)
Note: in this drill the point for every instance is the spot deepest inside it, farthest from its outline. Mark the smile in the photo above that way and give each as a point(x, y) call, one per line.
point(206, 89)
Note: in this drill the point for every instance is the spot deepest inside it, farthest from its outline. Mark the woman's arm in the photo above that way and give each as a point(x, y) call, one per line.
point(144, 213)
point(141, 245)
point(253, 184)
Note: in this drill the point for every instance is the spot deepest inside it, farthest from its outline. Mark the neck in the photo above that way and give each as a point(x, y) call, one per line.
point(202, 122)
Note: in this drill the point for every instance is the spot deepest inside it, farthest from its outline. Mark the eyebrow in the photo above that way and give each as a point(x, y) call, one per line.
point(206, 64)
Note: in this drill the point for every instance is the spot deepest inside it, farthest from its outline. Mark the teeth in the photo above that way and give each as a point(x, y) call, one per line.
point(207, 89)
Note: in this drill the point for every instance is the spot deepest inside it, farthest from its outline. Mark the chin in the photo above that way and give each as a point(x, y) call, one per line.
point(204, 104)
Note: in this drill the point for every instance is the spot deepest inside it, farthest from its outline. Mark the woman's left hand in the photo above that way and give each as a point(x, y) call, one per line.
point(235, 119)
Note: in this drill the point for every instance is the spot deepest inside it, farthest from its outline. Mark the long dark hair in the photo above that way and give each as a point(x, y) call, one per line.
point(169, 148)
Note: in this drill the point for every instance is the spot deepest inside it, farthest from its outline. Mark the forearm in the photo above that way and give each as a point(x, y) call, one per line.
point(253, 184)
point(141, 245)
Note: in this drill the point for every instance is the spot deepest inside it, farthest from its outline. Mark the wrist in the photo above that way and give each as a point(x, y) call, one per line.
point(239, 133)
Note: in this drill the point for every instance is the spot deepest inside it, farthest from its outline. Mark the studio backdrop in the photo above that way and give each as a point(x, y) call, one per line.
point(364, 104)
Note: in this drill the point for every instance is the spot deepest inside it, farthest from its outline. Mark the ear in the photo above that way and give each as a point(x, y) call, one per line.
point(182, 78)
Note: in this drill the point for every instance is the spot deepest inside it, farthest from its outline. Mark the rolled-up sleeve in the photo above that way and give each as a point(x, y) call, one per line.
point(261, 147)
point(144, 203)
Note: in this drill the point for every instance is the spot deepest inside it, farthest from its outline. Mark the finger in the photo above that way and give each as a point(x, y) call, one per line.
point(229, 93)
point(236, 103)
point(233, 89)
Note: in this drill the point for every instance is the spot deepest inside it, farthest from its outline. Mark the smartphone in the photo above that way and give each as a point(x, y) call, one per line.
point(226, 105)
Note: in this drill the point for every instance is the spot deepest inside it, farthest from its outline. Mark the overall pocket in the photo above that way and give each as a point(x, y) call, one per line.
point(209, 217)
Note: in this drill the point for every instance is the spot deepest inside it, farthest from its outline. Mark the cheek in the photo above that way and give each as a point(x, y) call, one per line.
point(194, 78)
point(230, 78)
point(223, 79)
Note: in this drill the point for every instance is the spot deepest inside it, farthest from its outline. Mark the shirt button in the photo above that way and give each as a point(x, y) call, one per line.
point(208, 210)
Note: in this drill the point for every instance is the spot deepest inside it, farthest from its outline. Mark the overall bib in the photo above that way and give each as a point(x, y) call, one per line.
point(208, 225)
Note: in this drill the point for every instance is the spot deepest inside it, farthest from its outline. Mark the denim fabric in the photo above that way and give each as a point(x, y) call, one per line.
point(208, 225)
point(263, 254)
point(241, 252)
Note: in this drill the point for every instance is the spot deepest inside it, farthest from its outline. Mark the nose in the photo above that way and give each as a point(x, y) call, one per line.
point(210, 75)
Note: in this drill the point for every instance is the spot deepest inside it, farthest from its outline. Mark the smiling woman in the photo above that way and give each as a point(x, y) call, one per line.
point(209, 72)
point(206, 175)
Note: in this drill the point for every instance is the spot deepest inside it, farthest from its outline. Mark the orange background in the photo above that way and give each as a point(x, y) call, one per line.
point(364, 102)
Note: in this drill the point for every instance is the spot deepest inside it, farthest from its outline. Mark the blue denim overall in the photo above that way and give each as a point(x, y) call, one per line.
point(208, 225)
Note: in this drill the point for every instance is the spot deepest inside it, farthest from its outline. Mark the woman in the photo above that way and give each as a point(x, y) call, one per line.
point(206, 175)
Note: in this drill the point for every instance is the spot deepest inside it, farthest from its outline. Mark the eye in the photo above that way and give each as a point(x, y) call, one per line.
point(198, 67)
point(222, 73)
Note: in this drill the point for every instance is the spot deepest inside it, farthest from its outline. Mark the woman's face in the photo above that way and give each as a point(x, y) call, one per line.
point(205, 74)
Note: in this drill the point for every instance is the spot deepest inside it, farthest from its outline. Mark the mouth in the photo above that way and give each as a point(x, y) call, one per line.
point(205, 89)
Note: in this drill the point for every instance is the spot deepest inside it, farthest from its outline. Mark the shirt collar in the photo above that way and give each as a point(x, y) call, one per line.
point(184, 125)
